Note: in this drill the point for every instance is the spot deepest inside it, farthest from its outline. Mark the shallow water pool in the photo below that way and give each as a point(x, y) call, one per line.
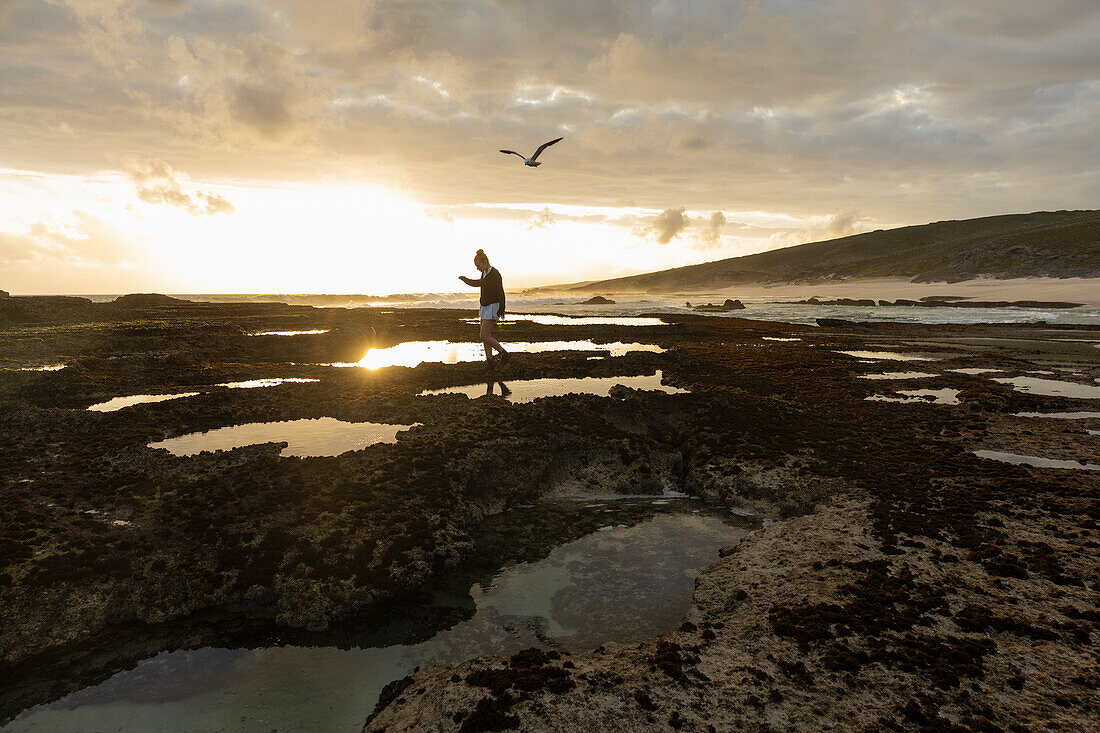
point(945, 396)
point(899, 375)
point(627, 577)
point(526, 390)
point(973, 371)
point(1061, 415)
point(119, 403)
point(270, 382)
point(887, 355)
point(1051, 387)
point(411, 353)
point(1037, 461)
point(323, 436)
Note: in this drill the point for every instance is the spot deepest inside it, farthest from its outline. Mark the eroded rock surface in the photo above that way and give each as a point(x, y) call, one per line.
point(911, 584)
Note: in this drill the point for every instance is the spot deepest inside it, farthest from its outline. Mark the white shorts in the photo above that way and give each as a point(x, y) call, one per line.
point(489, 312)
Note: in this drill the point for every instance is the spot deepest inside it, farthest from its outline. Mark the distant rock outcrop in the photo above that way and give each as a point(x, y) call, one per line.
point(728, 305)
point(44, 308)
point(838, 301)
point(4, 294)
point(145, 300)
point(598, 300)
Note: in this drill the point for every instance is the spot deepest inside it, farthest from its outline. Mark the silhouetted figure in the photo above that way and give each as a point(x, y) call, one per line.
point(492, 306)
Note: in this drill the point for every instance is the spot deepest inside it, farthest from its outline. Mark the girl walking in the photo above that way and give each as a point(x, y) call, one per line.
point(492, 306)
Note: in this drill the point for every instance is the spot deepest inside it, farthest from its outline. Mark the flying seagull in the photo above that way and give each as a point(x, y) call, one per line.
point(533, 161)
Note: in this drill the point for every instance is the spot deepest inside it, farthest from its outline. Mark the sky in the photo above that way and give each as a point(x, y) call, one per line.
point(335, 146)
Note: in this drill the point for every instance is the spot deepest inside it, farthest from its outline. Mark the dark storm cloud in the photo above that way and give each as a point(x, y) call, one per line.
point(906, 111)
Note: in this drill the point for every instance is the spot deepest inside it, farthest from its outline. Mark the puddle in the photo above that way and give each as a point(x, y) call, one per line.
point(411, 353)
point(43, 368)
point(323, 436)
point(273, 382)
point(946, 396)
point(899, 375)
point(119, 403)
point(547, 320)
point(887, 355)
point(973, 371)
point(1051, 387)
point(778, 338)
point(1036, 461)
point(311, 332)
point(526, 390)
point(1061, 415)
point(621, 577)
point(666, 493)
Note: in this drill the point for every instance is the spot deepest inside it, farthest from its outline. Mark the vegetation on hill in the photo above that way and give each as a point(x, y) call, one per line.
point(1043, 244)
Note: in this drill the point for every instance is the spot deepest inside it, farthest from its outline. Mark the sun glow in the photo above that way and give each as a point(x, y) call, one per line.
point(154, 228)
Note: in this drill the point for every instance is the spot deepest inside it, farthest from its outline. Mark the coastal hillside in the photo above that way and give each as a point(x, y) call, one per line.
point(1043, 244)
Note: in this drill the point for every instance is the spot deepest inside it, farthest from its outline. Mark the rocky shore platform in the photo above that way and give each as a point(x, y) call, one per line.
point(907, 584)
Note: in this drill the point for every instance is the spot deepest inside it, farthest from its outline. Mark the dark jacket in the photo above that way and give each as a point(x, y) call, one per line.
point(492, 288)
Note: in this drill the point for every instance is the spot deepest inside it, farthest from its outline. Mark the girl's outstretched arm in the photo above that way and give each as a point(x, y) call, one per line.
point(469, 281)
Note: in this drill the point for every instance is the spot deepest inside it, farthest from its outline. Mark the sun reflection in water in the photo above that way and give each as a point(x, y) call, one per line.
point(411, 353)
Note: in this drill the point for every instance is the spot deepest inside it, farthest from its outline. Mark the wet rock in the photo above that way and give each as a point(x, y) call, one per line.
point(389, 693)
point(490, 714)
point(728, 305)
point(903, 558)
point(145, 300)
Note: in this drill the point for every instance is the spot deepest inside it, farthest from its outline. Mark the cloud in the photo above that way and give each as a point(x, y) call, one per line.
point(665, 226)
point(909, 111)
point(68, 253)
point(216, 204)
point(710, 232)
point(843, 224)
point(838, 225)
point(158, 183)
point(541, 220)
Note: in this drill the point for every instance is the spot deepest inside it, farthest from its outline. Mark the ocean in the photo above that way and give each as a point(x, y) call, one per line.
point(762, 308)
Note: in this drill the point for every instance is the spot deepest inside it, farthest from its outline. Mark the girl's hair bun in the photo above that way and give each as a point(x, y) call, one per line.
point(481, 252)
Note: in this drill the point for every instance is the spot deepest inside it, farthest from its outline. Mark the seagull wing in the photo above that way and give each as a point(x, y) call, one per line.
point(544, 146)
point(513, 152)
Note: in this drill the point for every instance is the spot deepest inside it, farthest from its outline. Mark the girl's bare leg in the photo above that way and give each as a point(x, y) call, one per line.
point(488, 340)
